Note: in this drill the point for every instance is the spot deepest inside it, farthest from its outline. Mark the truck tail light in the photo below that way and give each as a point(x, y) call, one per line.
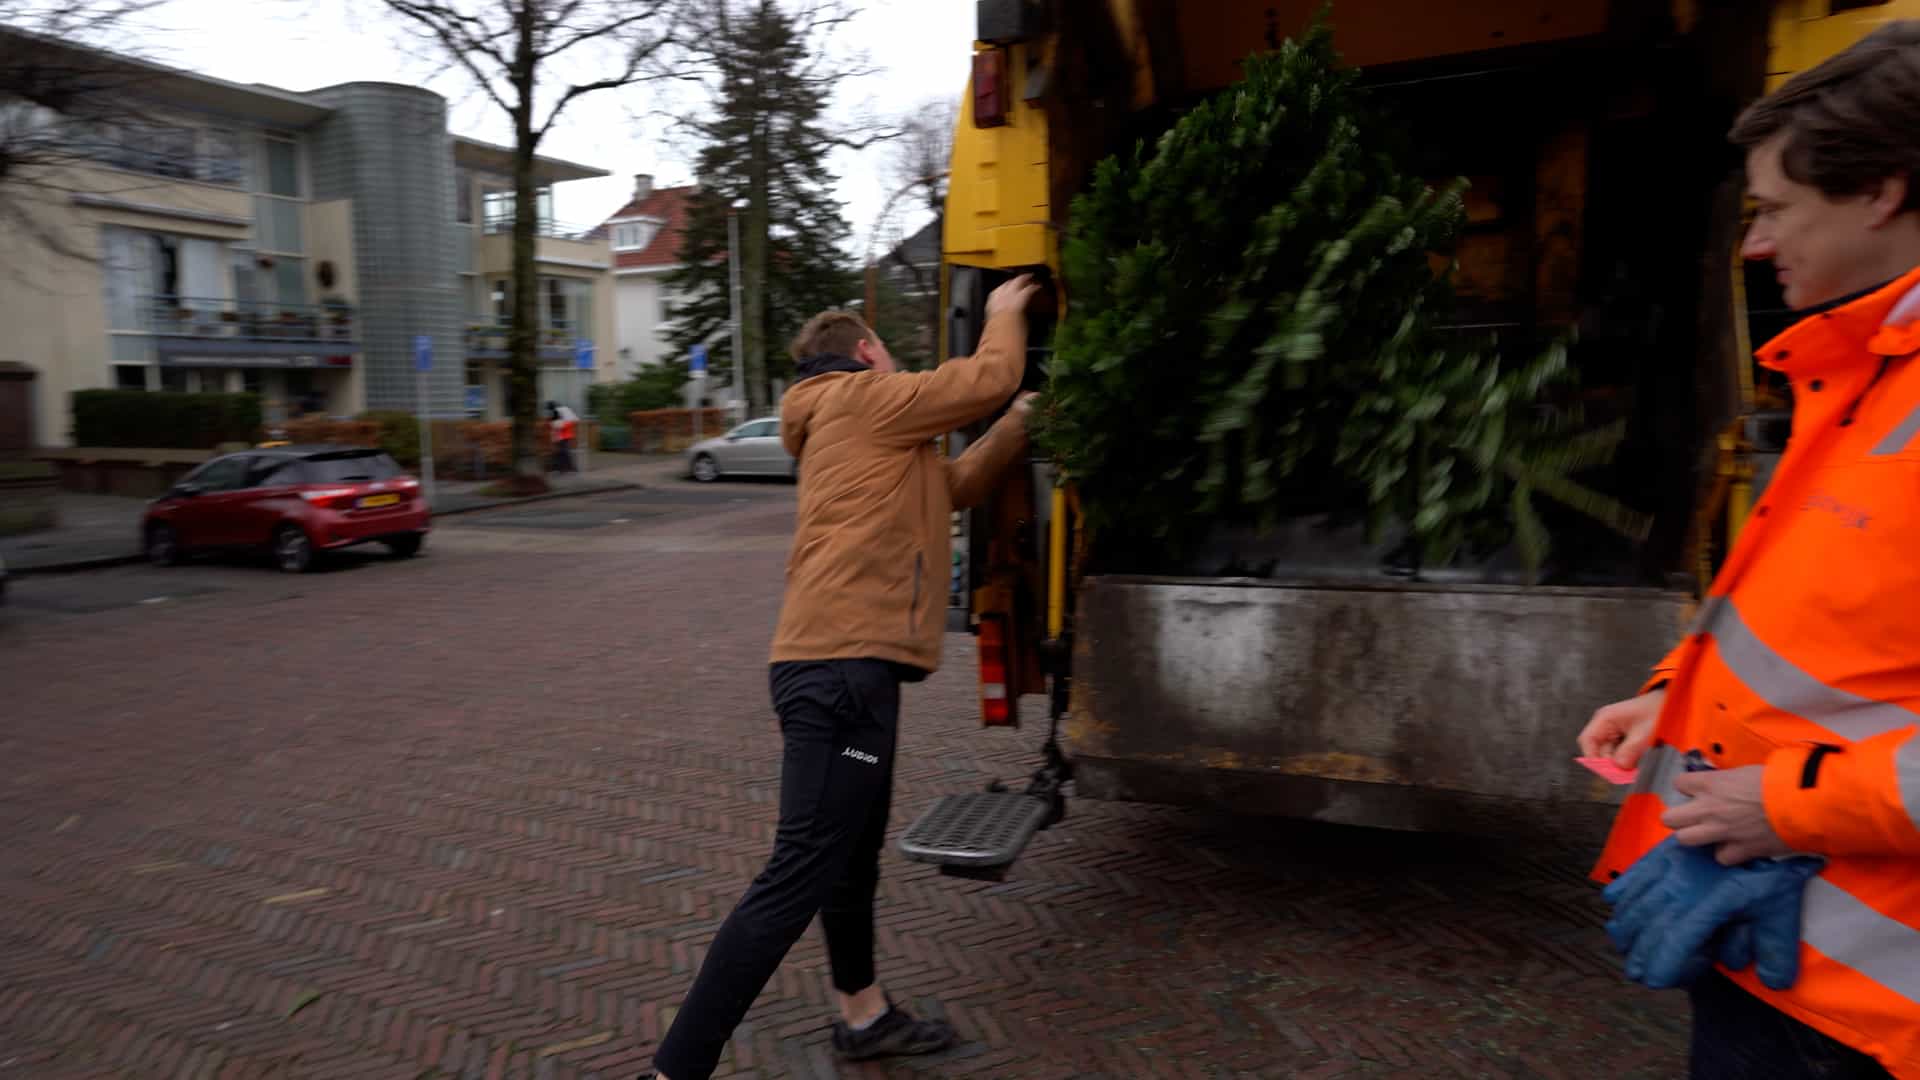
point(990, 88)
point(996, 703)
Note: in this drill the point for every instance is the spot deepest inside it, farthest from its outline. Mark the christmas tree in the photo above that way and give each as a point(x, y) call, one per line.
point(1251, 334)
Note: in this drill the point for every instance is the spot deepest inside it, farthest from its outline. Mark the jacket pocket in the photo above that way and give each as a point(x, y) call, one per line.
point(913, 610)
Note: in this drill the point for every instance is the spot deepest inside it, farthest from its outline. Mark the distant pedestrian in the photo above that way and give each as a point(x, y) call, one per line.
point(863, 614)
point(563, 428)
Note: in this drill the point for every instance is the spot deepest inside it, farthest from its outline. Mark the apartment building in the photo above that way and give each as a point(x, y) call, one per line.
point(292, 244)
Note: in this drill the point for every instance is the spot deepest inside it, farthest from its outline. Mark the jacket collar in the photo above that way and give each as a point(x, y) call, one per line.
point(825, 363)
point(1883, 323)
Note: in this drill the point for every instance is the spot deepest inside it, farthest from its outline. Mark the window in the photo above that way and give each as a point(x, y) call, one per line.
point(667, 308)
point(149, 274)
point(497, 211)
point(759, 429)
point(633, 235)
point(129, 377)
point(502, 303)
point(155, 149)
point(223, 159)
point(348, 466)
point(283, 168)
point(224, 474)
point(567, 305)
point(290, 280)
point(463, 196)
point(276, 225)
point(270, 469)
point(556, 291)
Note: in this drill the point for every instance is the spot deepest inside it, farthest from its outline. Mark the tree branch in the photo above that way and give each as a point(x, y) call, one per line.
point(449, 28)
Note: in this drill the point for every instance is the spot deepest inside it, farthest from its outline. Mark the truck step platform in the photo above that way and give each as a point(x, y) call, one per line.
point(977, 835)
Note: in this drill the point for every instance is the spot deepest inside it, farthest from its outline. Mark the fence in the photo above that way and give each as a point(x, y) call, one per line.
point(462, 449)
point(669, 431)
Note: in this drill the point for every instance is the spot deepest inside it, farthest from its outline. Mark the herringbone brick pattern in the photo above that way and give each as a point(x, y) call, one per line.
point(479, 816)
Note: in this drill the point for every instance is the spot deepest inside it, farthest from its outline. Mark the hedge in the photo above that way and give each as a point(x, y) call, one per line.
point(465, 449)
point(167, 421)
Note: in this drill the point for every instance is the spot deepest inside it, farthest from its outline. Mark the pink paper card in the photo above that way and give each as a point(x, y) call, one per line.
point(1608, 771)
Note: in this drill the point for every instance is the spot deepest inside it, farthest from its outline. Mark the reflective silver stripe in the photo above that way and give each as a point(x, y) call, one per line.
point(1906, 772)
point(1708, 615)
point(1658, 768)
point(1785, 687)
point(1845, 928)
point(1901, 437)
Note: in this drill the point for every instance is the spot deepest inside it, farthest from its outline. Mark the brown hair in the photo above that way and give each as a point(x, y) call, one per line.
point(835, 332)
point(1850, 122)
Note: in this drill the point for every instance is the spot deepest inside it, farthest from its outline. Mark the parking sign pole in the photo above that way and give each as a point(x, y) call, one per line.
point(422, 364)
point(583, 363)
point(697, 365)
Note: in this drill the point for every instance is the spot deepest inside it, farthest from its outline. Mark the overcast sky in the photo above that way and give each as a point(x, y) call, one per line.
point(919, 48)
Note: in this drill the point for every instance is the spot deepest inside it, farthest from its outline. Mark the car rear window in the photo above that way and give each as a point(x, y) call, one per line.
point(348, 468)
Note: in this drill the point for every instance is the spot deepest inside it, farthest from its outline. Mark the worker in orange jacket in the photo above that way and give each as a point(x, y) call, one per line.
point(563, 427)
point(1778, 746)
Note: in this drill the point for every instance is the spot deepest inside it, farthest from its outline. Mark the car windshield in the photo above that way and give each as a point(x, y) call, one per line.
point(349, 468)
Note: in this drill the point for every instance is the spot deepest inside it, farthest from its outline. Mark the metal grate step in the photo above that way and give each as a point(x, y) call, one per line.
point(979, 831)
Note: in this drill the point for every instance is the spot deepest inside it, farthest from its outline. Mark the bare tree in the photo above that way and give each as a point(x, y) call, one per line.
point(923, 150)
point(60, 94)
point(532, 59)
point(917, 167)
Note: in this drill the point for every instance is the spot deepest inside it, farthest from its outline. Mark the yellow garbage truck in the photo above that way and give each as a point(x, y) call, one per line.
point(1603, 201)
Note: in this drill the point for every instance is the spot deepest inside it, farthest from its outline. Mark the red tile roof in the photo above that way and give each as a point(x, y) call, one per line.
point(667, 205)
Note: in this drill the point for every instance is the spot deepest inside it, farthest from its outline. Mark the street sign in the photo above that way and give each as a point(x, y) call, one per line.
point(697, 362)
point(423, 352)
point(583, 355)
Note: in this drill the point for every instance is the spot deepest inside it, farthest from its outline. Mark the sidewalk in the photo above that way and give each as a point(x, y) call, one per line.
point(104, 530)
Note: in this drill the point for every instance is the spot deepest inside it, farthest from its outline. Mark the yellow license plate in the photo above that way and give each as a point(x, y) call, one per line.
point(378, 500)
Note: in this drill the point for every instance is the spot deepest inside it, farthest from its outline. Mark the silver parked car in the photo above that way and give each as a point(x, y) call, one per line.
point(752, 449)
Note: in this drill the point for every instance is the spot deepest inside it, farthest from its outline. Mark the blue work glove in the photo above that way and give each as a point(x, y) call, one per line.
point(1677, 910)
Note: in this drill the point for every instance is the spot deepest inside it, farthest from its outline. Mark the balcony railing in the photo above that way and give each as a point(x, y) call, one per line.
point(545, 227)
point(489, 341)
point(251, 321)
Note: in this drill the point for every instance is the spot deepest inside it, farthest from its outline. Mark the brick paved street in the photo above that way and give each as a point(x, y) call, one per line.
point(479, 814)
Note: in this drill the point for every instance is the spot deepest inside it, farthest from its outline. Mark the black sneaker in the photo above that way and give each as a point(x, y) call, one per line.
point(895, 1034)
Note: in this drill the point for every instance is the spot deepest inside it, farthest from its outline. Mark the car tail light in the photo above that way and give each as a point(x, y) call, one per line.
point(996, 708)
point(333, 498)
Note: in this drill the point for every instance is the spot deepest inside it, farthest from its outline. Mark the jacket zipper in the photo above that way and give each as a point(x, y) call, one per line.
point(913, 613)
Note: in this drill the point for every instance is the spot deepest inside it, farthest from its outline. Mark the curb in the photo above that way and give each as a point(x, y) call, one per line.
point(103, 562)
point(548, 497)
point(107, 562)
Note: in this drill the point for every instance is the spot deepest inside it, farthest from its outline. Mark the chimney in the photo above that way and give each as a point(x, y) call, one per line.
point(642, 186)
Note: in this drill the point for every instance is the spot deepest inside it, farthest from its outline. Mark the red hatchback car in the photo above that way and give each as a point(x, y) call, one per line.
point(295, 501)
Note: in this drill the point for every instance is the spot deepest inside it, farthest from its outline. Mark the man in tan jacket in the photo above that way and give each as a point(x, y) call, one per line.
point(862, 615)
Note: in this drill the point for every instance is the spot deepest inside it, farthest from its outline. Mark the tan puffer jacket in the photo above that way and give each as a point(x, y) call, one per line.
point(867, 577)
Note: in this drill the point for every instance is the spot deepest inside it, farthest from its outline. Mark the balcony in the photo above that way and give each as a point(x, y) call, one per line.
point(556, 243)
point(211, 331)
point(546, 229)
point(555, 342)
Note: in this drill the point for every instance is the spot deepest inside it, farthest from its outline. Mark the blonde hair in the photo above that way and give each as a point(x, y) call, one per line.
point(832, 331)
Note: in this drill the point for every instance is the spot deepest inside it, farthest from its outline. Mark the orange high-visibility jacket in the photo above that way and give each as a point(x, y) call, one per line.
point(1806, 659)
